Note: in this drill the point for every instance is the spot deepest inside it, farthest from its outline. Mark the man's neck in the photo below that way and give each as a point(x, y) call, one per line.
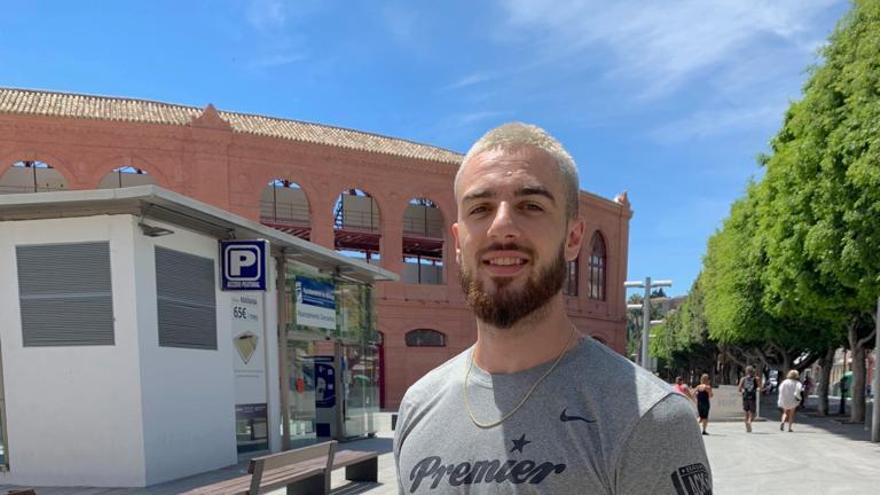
point(536, 339)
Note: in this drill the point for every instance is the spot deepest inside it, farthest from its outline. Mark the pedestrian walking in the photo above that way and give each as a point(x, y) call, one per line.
point(808, 387)
point(704, 395)
point(789, 396)
point(748, 387)
point(682, 388)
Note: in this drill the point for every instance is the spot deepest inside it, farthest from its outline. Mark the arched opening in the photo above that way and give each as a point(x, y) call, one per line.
point(357, 225)
point(422, 243)
point(29, 176)
point(571, 277)
point(425, 337)
point(284, 206)
point(598, 267)
point(126, 176)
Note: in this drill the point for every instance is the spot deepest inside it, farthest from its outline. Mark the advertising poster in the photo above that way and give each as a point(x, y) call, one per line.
point(247, 342)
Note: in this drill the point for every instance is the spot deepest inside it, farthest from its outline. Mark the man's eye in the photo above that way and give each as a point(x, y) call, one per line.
point(479, 209)
point(533, 207)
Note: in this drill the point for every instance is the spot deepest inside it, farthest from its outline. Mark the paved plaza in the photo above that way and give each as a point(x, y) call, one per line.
point(822, 456)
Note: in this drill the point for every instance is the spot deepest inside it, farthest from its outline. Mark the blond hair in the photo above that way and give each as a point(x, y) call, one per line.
point(793, 375)
point(514, 135)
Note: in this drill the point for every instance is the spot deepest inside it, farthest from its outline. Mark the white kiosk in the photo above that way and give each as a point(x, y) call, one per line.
point(124, 363)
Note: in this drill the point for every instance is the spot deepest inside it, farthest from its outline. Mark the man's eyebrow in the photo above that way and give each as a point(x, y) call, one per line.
point(524, 191)
point(536, 191)
point(478, 194)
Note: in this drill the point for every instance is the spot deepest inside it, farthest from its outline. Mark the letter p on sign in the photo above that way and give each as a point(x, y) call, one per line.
point(240, 258)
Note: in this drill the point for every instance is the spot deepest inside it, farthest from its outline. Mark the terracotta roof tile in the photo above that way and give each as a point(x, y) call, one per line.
point(35, 102)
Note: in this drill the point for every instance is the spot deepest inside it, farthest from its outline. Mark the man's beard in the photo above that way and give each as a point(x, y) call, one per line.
point(507, 306)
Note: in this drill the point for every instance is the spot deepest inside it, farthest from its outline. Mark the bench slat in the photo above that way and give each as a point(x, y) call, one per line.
point(281, 459)
point(273, 471)
point(345, 458)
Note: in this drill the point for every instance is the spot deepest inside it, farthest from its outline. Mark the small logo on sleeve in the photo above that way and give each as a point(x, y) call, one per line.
point(566, 418)
point(692, 479)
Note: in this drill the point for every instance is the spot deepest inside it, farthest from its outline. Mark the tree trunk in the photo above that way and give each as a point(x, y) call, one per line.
point(822, 385)
point(857, 390)
point(857, 386)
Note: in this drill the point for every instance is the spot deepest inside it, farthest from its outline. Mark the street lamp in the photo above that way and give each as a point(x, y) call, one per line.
point(646, 310)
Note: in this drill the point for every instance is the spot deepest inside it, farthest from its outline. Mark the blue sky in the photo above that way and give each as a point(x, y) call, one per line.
point(668, 100)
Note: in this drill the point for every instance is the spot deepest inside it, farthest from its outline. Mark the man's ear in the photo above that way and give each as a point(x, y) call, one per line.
point(457, 243)
point(574, 238)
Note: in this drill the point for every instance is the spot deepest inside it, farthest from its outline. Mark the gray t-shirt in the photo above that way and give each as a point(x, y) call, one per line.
point(597, 424)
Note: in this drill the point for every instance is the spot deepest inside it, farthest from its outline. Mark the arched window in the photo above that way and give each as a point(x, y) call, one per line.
point(284, 206)
point(31, 176)
point(357, 225)
point(126, 176)
point(422, 243)
point(571, 278)
point(425, 337)
point(598, 265)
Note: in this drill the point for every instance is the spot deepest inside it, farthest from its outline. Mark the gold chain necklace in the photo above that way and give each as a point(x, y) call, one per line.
point(467, 404)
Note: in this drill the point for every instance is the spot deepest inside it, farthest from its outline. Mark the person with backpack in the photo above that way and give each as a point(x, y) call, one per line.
point(748, 387)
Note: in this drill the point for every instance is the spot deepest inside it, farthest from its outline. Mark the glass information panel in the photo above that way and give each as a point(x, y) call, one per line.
point(301, 391)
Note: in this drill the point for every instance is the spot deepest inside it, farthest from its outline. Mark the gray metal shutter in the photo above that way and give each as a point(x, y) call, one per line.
point(65, 294)
point(185, 287)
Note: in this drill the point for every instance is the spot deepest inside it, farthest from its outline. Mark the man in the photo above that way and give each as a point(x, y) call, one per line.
point(748, 387)
point(532, 407)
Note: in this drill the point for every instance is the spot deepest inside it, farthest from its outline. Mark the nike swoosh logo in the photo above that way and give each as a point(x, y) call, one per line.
point(565, 418)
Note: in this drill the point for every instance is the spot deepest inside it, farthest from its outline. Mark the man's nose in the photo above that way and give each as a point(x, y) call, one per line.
point(504, 224)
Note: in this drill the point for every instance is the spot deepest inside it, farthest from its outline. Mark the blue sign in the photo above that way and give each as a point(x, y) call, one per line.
point(315, 303)
point(243, 265)
point(325, 382)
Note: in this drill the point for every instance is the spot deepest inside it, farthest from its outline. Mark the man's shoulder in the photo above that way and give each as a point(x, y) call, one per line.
point(615, 375)
point(621, 392)
point(436, 380)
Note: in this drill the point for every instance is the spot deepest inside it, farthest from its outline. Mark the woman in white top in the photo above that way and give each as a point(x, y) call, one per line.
point(789, 396)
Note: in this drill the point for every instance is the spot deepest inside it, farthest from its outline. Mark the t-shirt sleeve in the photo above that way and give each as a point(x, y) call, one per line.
point(399, 435)
point(664, 453)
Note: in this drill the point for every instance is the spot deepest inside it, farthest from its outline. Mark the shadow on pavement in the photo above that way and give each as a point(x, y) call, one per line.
point(834, 424)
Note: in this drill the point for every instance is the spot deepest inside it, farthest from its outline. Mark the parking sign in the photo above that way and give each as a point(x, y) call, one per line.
point(243, 264)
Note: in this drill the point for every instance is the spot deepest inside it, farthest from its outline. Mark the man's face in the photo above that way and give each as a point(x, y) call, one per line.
point(513, 236)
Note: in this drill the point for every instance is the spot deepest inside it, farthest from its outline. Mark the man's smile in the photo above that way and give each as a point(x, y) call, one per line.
point(505, 263)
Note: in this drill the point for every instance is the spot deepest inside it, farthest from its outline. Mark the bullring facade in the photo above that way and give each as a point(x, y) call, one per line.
point(384, 200)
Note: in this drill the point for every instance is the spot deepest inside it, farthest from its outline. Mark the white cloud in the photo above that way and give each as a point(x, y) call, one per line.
point(707, 123)
point(470, 80)
point(401, 23)
point(660, 45)
point(474, 117)
point(276, 60)
point(266, 15)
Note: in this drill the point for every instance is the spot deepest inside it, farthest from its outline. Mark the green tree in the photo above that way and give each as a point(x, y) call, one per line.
point(821, 216)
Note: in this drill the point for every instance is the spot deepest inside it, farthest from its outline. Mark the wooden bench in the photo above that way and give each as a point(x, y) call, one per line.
point(304, 471)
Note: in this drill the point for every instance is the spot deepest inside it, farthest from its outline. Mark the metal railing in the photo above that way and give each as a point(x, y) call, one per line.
point(284, 213)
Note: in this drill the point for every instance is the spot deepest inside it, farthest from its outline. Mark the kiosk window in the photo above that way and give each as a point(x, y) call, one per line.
point(185, 287)
point(65, 294)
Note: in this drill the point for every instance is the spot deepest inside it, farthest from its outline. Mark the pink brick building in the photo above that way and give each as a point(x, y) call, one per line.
point(382, 199)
